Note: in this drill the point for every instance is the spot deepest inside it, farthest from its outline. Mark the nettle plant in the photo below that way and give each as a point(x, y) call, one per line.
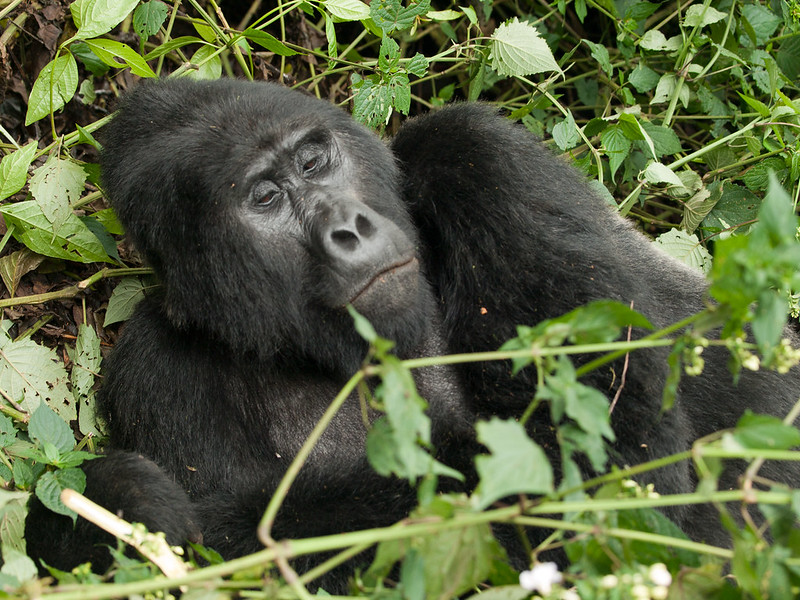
point(686, 118)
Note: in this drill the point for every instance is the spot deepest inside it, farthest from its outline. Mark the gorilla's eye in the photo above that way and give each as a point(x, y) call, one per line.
point(311, 160)
point(310, 165)
point(266, 193)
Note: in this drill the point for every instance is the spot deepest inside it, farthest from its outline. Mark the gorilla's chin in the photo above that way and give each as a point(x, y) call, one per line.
point(390, 292)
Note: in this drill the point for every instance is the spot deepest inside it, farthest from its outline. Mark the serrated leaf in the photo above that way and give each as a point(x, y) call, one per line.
point(700, 15)
point(697, 208)
point(565, 133)
point(517, 50)
point(643, 78)
point(31, 374)
point(653, 39)
point(14, 169)
point(616, 145)
point(762, 20)
point(96, 17)
point(391, 15)
point(123, 300)
point(735, 210)
point(665, 140)
point(73, 241)
point(52, 483)
point(149, 17)
point(347, 10)
point(270, 42)
point(517, 465)
point(45, 426)
point(12, 519)
point(110, 50)
point(18, 565)
point(667, 87)
point(13, 266)
point(55, 186)
point(686, 248)
point(54, 87)
point(418, 65)
point(657, 172)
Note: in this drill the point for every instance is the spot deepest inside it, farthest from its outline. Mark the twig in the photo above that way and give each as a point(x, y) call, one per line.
point(153, 547)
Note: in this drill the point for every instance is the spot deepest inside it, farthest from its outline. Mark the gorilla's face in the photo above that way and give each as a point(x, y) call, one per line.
point(304, 195)
point(264, 213)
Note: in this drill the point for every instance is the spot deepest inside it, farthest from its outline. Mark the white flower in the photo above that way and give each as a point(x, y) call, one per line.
point(541, 578)
point(660, 575)
point(609, 582)
point(569, 595)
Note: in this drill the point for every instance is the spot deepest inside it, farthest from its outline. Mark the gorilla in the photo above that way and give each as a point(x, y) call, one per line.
point(264, 213)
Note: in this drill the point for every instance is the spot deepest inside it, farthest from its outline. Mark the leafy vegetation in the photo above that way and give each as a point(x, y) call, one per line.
point(686, 117)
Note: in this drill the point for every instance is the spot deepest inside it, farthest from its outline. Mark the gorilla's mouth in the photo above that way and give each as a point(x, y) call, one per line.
point(393, 289)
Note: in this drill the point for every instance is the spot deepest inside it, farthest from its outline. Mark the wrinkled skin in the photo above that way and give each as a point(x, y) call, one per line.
point(264, 212)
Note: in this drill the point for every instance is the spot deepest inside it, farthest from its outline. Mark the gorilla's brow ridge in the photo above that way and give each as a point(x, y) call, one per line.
point(281, 143)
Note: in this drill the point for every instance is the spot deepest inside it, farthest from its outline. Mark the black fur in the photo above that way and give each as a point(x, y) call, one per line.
point(220, 378)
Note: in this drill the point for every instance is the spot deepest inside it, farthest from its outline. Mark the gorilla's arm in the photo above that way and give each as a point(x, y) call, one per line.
point(132, 487)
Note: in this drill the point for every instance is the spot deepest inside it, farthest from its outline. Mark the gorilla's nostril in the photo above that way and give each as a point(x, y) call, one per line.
point(345, 239)
point(364, 226)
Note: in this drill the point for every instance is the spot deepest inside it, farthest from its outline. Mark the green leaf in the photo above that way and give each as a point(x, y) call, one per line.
point(110, 50)
point(643, 78)
point(517, 465)
point(46, 426)
point(73, 241)
point(617, 146)
point(700, 15)
point(391, 15)
point(270, 42)
point(347, 10)
point(108, 218)
point(517, 50)
point(171, 45)
point(657, 172)
point(667, 87)
point(456, 561)
point(96, 17)
point(788, 57)
point(600, 54)
point(208, 62)
point(54, 87)
point(665, 140)
point(124, 298)
point(762, 20)
point(654, 40)
point(52, 483)
point(756, 105)
point(735, 208)
point(86, 359)
point(31, 374)
point(149, 17)
point(14, 169)
point(763, 432)
point(565, 133)
point(17, 564)
point(686, 248)
point(55, 186)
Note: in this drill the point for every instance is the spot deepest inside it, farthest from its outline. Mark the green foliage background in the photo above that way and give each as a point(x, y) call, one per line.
point(684, 114)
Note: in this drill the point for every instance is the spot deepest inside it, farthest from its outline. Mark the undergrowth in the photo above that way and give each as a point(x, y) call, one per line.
point(685, 116)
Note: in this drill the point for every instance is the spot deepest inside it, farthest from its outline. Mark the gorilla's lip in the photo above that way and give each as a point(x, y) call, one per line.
point(391, 276)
